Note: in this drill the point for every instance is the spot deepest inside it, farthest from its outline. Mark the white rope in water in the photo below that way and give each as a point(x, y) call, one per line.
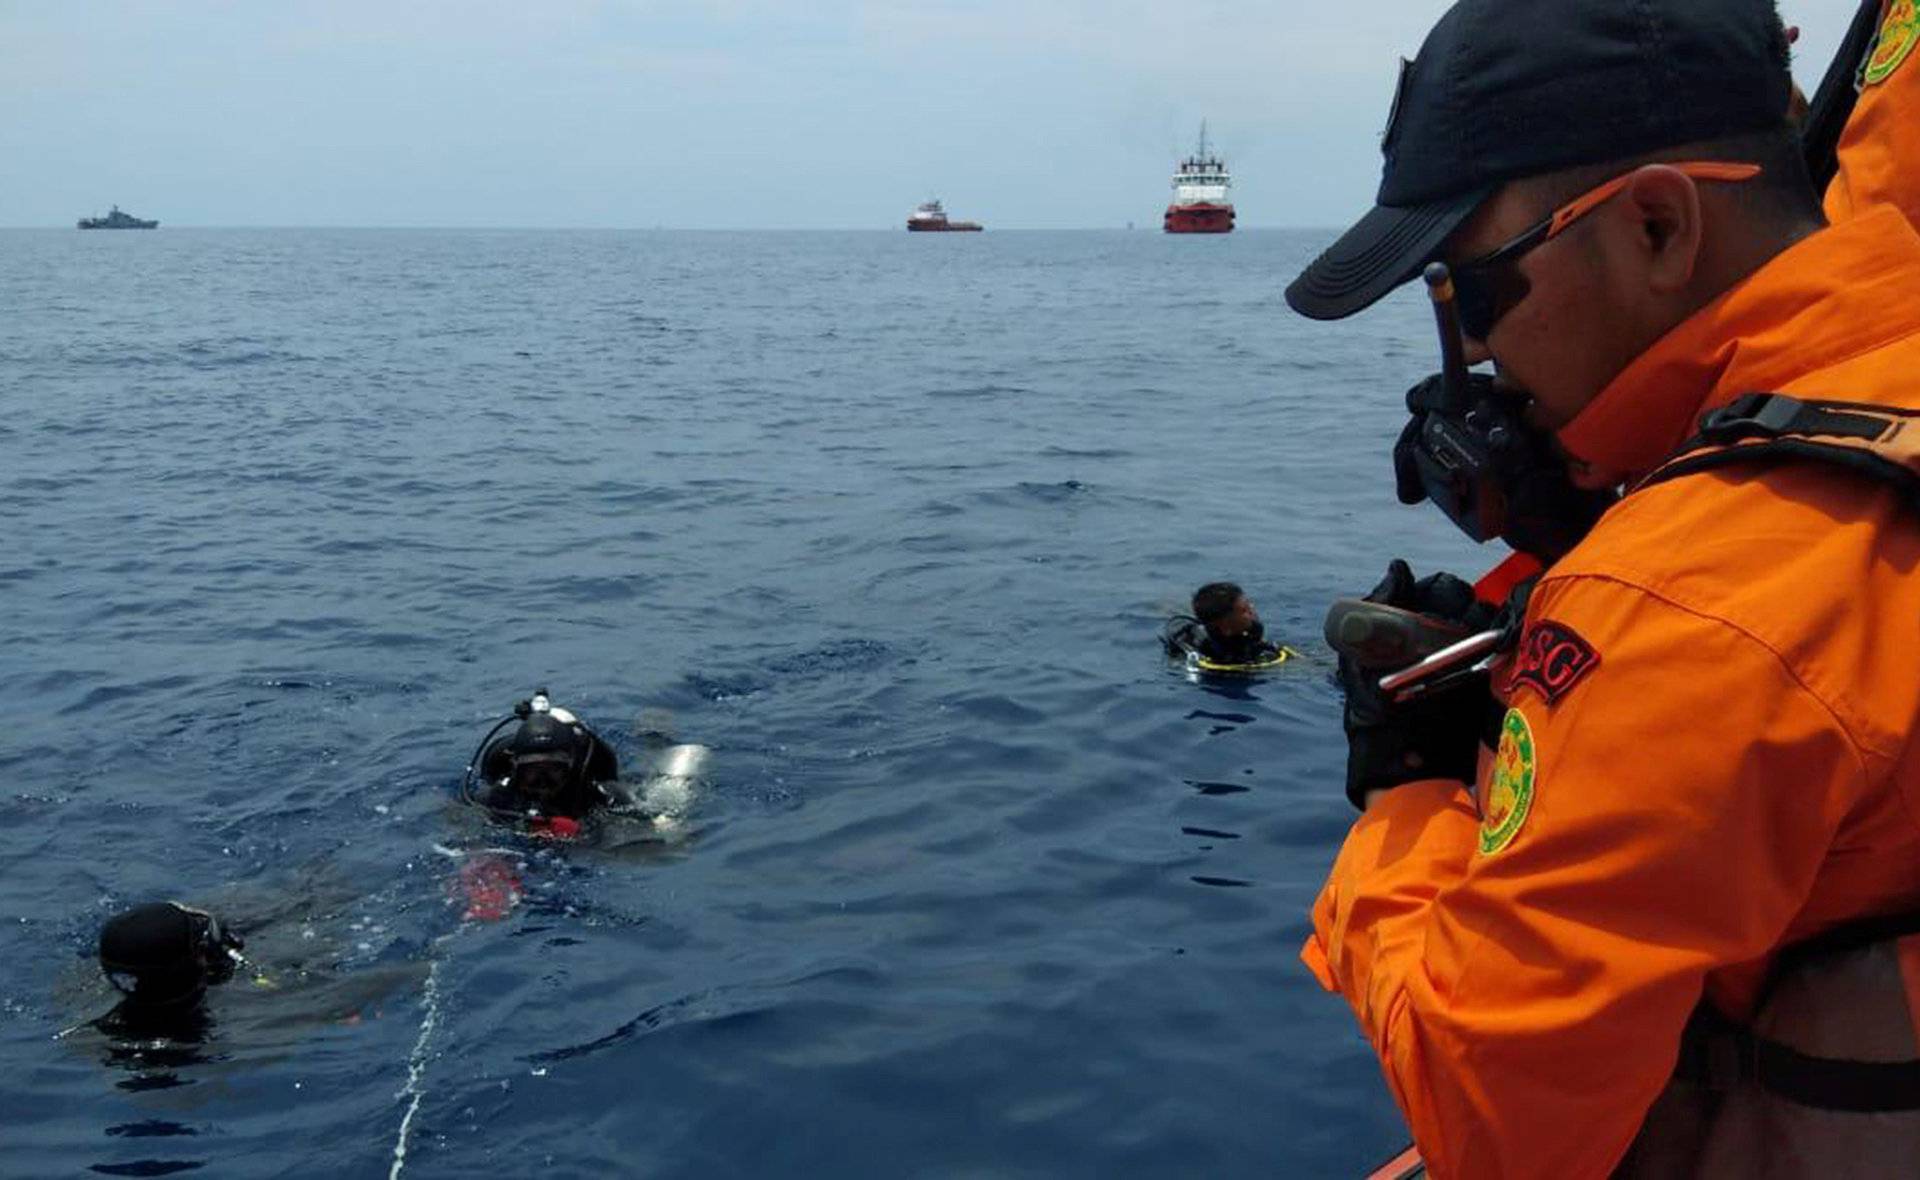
point(414, 1090)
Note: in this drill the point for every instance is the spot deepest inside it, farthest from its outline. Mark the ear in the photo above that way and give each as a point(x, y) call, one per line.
point(1665, 206)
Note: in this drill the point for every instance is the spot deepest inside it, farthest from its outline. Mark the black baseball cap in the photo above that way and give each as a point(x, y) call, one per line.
point(1504, 89)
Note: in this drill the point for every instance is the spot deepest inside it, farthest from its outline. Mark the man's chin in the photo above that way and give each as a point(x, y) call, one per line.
point(1580, 473)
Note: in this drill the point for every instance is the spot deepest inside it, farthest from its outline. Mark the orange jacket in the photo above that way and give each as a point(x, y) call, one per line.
point(1880, 148)
point(1707, 754)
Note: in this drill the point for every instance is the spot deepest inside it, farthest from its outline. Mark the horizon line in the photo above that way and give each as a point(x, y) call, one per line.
point(682, 228)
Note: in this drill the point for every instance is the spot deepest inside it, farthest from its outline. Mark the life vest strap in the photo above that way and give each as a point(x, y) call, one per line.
point(1848, 937)
point(1880, 442)
point(1718, 1054)
point(1831, 1084)
point(1771, 415)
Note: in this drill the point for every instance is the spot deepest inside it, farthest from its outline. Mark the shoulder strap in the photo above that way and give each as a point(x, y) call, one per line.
point(1839, 89)
point(1717, 1053)
point(1880, 442)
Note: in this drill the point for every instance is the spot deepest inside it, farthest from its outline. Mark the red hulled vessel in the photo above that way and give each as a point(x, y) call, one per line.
point(1200, 202)
point(931, 218)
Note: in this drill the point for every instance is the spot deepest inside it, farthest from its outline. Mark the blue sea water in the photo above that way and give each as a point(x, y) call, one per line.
point(978, 885)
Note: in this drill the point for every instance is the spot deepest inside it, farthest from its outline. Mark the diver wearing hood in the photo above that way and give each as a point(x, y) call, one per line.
point(552, 766)
point(162, 957)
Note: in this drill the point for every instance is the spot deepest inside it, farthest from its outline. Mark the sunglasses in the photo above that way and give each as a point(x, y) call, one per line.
point(1491, 285)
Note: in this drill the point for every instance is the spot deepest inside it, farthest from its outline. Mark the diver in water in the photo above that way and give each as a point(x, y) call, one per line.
point(553, 775)
point(162, 957)
point(188, 1006)
point(552, 767)
point(1224, 628)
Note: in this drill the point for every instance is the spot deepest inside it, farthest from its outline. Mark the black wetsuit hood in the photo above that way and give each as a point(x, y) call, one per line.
point(546, 738)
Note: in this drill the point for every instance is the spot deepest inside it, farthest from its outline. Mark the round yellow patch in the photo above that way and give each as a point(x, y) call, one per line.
point(1509, 794)
point(1898, 33)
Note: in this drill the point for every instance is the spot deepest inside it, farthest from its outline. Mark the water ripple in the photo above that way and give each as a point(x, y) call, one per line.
point(890, 524)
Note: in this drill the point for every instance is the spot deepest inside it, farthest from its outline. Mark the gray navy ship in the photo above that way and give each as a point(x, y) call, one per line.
point(118, 220)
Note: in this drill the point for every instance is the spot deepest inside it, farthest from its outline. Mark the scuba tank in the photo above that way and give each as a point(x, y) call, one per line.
point(664, 794)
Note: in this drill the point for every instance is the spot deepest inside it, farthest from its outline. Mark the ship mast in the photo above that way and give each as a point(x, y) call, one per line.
point(1203, 139)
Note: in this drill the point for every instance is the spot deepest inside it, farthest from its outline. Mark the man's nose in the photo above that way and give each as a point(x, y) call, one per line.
point(1474, 352)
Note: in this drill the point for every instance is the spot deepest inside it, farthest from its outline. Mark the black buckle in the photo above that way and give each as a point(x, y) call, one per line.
point(1751, 414)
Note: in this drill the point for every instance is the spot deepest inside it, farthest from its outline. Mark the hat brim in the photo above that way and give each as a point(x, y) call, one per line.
point(1384, 249)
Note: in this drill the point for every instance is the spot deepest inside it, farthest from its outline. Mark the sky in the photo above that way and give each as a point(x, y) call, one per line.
point(702, 114)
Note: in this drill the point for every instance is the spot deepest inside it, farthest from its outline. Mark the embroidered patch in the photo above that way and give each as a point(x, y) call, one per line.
point(1552, 659)
point(1897, 36)
point(1509, 794)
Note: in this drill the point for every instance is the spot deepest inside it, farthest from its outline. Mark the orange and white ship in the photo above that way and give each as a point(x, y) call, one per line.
point(1200, 194)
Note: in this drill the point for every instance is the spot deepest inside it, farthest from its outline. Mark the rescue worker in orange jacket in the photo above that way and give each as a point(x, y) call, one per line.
point(1879, 151)
point(1706, 753)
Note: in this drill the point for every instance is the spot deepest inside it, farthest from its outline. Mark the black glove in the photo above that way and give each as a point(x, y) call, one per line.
point(1439, 596)
point(1435, 735)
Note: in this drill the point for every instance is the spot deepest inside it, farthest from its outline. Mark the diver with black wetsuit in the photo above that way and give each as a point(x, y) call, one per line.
point(551, 767)
point(162, 957)
point(1223, 629)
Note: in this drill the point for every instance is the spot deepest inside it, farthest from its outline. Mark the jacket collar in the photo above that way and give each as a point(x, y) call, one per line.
point(1833, 295)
